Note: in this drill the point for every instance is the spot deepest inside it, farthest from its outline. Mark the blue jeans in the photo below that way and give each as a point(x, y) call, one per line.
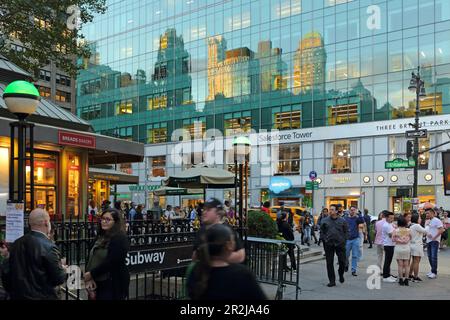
point(432, 250)
point(353, 246)
point(307, 236)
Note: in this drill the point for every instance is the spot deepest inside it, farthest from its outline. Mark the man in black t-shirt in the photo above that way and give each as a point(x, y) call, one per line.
point(213, 213)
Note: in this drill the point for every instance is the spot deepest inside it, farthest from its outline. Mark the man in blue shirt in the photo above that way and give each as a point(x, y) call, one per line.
point(352, 245)
point(132, 212)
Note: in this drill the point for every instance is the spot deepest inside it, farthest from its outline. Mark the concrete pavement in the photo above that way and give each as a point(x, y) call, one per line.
point(313, 281)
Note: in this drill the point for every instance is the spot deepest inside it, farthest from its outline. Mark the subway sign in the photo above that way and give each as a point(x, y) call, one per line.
point(159, 259)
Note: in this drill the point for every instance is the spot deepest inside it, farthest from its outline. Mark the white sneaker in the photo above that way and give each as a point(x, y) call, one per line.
point(390, 280)
point(432, 276)
point(429, 274)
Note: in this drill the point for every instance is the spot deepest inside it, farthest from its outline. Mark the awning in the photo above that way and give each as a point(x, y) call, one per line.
point(102, 149)
point(201, 176)
point(114, 176)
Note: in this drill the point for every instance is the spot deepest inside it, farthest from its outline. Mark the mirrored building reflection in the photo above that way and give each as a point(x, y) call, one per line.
point(333, 73)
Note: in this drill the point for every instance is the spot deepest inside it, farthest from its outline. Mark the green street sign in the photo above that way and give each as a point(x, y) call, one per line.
point(312, 185)
point(399, 164)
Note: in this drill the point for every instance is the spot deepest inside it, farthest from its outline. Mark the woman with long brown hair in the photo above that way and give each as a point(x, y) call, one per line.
point(107, 276)
point(213, 277)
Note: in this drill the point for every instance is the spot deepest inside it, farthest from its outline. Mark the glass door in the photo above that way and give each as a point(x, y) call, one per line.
point(73, 185)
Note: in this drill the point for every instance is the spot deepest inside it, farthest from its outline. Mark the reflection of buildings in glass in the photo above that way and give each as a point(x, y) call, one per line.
point(271, 67)
point(229, 72)
point(309, 64)
point(431, 104)
point(171, 72)
point(216, 53)
point(353, 106)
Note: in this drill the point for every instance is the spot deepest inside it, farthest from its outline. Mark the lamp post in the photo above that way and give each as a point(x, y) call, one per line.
point(241, 145)
point(416, 85)
point(21, 99)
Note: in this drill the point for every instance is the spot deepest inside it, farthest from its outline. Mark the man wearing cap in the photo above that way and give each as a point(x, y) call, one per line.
point(213, 213)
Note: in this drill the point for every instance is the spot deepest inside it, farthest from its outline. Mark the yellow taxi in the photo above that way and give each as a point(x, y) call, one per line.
point(296, 213)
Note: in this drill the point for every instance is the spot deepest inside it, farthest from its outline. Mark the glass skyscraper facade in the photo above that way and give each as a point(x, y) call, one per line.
point(331, 75)
point(286, 64)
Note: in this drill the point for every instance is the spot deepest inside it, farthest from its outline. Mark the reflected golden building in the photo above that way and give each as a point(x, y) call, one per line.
point(309, 64)
point(229, 72)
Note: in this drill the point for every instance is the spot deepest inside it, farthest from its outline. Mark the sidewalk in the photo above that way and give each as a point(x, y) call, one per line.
point(313, 281)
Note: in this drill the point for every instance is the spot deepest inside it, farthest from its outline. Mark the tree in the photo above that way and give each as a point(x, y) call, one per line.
point(33, 32)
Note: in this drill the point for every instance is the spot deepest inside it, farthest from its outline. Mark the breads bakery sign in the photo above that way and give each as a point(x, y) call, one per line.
point(76, 140)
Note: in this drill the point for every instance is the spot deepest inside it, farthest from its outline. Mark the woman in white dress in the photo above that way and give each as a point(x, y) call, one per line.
point(417, 233)
point(402, 252)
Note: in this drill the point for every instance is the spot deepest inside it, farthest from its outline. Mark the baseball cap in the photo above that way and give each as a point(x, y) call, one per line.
point(213, 203)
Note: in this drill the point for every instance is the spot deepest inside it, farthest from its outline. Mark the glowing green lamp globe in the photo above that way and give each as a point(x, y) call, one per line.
point(242, 145)
point(21, 97)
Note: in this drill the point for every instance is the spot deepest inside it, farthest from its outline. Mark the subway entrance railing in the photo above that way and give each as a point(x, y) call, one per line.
point(160, 254)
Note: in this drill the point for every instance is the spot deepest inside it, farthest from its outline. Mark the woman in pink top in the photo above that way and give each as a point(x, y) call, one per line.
point(379, 239)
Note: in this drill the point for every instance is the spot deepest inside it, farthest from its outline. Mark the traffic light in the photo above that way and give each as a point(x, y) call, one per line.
point(409, 148)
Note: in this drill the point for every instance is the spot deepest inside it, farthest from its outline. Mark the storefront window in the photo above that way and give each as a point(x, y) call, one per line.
point(288, 160)
point(397, 149)
point(44, 183)
point(424, 158)
point(341, 161)
point(158, 165)
point(404, 204)
point(73, 185)
point(98, 191)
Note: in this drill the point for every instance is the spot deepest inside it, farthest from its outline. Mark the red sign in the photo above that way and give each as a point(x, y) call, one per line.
point(76, 140)
point(43, 164)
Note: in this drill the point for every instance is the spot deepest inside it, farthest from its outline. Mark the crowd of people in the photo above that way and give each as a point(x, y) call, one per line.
point(400, 237)
point(33, 266)
point(136, 212)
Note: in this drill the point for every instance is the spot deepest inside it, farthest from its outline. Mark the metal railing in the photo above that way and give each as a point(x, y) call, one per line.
point(267, 259)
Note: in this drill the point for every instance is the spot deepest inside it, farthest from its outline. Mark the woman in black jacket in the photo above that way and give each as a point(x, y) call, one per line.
point(286, 230)
point(107, 272)
point(213, 277)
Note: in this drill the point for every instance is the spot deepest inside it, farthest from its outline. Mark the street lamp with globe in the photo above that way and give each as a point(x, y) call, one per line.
point(21, 99)
point(241, 146)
